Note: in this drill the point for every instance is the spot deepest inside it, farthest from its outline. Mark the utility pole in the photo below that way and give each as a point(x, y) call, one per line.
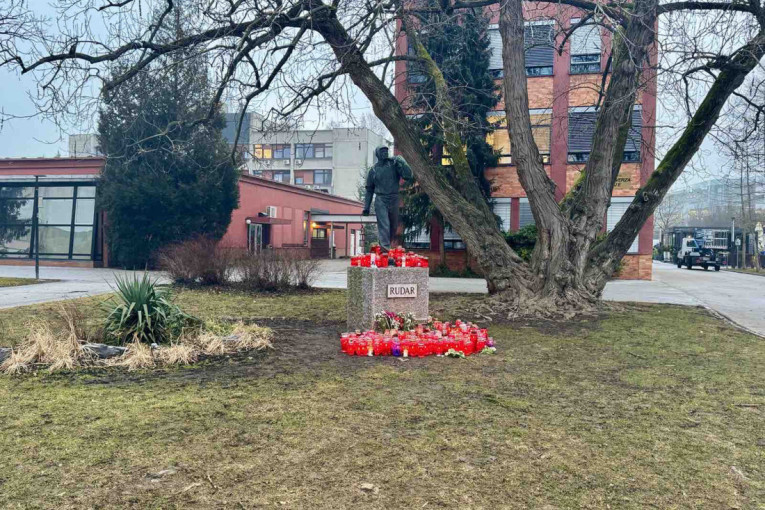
point(36, 227)
point(733, 236)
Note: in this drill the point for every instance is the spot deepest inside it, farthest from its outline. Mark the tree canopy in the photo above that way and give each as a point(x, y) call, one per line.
point(460, 47)
point(166, 178)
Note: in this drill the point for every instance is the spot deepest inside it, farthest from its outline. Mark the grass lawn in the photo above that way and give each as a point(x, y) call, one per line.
point(748, 270)
point(649, 406)
point(15, 282)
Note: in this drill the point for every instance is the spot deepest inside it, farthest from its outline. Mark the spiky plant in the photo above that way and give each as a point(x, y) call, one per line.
point(143, 312)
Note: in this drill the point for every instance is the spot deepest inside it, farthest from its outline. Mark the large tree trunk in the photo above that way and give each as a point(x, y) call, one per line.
point(568, 270)
point(502, 267)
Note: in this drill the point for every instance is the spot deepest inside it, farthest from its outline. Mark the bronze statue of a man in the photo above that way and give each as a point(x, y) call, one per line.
point(383, 180)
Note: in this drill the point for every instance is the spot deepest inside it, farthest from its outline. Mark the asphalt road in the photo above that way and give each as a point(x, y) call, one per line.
point(739, 297)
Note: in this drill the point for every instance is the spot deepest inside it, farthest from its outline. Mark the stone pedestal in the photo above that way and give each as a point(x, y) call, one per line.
point(392, 289)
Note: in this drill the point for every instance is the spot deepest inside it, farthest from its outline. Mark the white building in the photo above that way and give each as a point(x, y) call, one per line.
point(84, 145)
point(333, 161)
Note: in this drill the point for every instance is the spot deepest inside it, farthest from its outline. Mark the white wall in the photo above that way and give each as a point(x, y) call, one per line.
point(352, 152)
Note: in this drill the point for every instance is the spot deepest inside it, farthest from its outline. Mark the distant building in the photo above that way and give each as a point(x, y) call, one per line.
point(229, 133)
point(331, 161)
point(717, 197)
point(83, 146)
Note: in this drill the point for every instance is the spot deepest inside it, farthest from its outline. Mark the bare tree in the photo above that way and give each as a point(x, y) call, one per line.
point(741, 137)
point(282, 56)
point(669, 213)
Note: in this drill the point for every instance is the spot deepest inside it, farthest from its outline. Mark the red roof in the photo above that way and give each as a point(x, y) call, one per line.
point(259, 181)
point(51, 166)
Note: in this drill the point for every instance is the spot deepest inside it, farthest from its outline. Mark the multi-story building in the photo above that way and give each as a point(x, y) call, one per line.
point(332, 161)
point(563, 96)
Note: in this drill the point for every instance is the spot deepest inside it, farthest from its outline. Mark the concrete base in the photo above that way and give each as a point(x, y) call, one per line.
point(368, 294)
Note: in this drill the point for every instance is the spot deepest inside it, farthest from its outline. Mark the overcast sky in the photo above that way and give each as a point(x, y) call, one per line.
point(38, 137)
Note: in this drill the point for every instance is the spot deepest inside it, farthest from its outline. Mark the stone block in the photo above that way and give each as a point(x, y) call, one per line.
point(4, 354)
point(104, 351)
point(368, 294)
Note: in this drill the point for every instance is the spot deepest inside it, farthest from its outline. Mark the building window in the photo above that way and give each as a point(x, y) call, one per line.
point(281, 176)
point(541, 122)
point(271, 151)
point(452, 240)
point(525, 216)
point(262, 151)
point(313, 150)
point(417, 239)
point(585, 49)
point(501, 207)
point(319, 233)
point(306, 217)
point(616, 210)
point(282, 151)
point(499, 139)
point(414, 70)
point(66, 220)
point(539, 47)
point(322, 177)
point(538, 42)
point(581, 130)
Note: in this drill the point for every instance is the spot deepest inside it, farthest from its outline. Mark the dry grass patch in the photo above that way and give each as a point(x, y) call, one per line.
point(44, 347)
point(56, 344)
point(189, 348)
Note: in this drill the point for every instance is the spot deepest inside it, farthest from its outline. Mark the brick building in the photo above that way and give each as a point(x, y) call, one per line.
point(563, 91)
point(48, 209)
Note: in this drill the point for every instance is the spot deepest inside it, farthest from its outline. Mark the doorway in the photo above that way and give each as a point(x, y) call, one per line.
point(258, 237)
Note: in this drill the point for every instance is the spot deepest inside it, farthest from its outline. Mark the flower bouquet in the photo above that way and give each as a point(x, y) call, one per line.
point(389, 321)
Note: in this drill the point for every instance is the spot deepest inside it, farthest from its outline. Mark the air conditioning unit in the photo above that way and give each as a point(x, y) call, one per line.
point(271, 211)
point(286, 162)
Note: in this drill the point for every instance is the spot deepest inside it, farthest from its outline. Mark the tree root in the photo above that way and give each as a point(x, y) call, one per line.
point(507, 307)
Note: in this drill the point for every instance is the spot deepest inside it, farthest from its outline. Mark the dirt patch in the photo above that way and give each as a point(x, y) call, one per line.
point(300, 346)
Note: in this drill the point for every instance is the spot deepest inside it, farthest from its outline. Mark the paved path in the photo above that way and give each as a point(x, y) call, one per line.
point(333, 276)
point(73, 283)
point(740, 297)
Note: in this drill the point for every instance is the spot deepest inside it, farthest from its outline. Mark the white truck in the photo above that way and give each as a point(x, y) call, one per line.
point(690, 254)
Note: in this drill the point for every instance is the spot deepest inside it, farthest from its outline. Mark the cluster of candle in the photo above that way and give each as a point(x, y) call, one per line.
point(438, 339)
point(398, 256)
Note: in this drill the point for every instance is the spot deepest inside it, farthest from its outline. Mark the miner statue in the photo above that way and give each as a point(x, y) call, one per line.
point(383, 180)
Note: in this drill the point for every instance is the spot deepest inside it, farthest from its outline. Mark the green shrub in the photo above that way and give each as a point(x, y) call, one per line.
point(144, 313)
point(523, 241)
point(443, 271)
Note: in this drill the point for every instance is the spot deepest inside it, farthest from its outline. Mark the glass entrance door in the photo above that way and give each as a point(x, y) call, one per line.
point(254, 237)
